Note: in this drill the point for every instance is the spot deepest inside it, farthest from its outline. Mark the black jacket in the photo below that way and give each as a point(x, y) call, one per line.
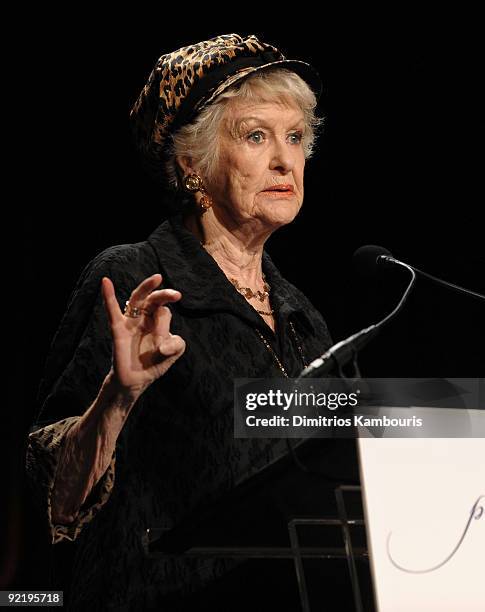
point(176, 457)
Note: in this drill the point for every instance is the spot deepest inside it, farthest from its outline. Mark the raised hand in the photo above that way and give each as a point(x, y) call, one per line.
point(143, 347)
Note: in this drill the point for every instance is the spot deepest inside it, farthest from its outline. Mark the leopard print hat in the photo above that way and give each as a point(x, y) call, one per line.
point(185, 81)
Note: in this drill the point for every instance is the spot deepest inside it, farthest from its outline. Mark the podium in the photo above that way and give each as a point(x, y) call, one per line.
point(423, 515)
point(350, 527)
point(424, 502)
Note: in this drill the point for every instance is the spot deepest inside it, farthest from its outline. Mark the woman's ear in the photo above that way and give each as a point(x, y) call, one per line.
point(185, 165)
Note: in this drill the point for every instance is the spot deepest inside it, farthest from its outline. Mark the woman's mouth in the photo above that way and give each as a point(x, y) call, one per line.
point(280, 191)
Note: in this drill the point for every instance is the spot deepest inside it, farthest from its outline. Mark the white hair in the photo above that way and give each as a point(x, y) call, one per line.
point(199, 139)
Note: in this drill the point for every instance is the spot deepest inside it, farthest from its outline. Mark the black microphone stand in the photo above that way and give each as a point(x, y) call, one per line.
point(346, 350)
point(388, 259)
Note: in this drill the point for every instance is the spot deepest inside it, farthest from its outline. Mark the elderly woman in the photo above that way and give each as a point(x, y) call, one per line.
point(228, 123)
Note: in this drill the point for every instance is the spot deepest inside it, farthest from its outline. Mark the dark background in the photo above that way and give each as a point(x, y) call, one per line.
point(398, 164)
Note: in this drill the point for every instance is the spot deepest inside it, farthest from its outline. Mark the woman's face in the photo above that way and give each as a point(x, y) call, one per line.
point(261, 164)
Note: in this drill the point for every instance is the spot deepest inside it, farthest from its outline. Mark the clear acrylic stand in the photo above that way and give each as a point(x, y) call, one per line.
point(296, 551)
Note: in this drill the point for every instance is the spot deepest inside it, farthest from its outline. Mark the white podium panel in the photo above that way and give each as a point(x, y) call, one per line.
point(424, 502)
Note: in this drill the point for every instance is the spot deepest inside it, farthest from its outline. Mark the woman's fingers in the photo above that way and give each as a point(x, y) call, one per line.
point(173, 346)
point(143, 347)
point(153, 306)
point(146, 298)
point(144, 289)
point(160, 315)
point(110, 302)
point(160, 298)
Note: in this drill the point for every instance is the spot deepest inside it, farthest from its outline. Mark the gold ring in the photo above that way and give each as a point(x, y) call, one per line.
point(132, 311)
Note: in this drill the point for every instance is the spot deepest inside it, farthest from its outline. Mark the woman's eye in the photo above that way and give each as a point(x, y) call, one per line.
point(256, 137)
point(296, 137)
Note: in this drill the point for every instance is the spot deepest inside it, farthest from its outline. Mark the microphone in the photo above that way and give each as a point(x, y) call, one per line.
point(368, 258)
point(341, 353)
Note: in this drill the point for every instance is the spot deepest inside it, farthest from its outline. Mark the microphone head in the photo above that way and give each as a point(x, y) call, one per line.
point(365, 259)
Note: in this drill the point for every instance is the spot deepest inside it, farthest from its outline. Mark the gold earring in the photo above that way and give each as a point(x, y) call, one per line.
point(193, 183)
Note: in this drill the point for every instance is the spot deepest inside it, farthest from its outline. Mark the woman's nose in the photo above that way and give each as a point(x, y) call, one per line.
point(282, 159)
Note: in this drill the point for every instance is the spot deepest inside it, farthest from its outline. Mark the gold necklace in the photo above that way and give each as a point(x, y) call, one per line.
point(275, 356)
point(249, 294)
point(267, 313)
